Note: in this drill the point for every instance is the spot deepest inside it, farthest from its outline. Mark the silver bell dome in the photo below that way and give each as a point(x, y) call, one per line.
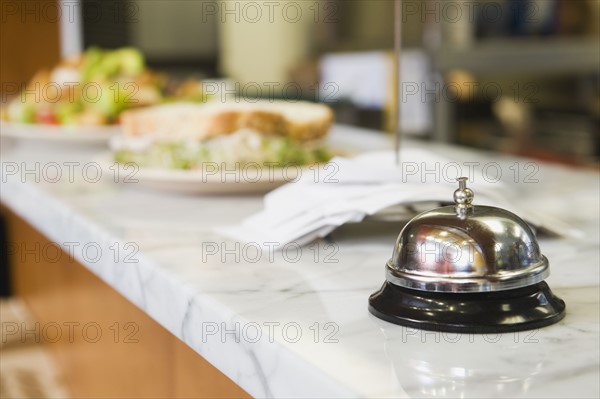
point(466, 248)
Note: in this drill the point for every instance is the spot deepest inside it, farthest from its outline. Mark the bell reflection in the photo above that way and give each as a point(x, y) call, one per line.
point(441, 250)
point(442, 364)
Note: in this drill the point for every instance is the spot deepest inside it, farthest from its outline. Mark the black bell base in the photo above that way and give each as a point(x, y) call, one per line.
point(479, 313)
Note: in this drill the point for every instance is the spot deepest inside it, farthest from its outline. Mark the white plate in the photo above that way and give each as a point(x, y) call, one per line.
point(57, 133)
point(248, 180)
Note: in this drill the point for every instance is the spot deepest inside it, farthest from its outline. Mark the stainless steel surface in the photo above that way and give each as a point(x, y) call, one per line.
point(559, 55)
point(466, 248)
point(396, 103)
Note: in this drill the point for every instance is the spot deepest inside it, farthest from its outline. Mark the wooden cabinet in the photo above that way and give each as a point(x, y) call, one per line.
point(115, 350)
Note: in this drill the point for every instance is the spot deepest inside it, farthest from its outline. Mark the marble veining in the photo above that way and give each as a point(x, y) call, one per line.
point(286, 326)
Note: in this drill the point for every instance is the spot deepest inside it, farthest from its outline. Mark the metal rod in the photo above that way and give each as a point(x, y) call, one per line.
point(397, 78)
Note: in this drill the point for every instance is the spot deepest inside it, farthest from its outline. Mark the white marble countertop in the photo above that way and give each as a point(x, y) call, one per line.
point(295, 324)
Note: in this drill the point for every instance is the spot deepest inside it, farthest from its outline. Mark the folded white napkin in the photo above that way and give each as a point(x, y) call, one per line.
point(348, 190)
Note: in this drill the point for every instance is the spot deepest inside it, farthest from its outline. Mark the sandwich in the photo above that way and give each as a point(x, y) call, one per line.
point(230, 134)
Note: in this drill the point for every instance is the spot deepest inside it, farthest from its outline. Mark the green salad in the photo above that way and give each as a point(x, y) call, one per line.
point(92, 88)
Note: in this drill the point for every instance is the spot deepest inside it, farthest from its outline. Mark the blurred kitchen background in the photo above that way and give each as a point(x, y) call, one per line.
point(516, 76)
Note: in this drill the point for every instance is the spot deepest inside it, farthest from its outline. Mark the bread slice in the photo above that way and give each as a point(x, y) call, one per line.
point(301, 121)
